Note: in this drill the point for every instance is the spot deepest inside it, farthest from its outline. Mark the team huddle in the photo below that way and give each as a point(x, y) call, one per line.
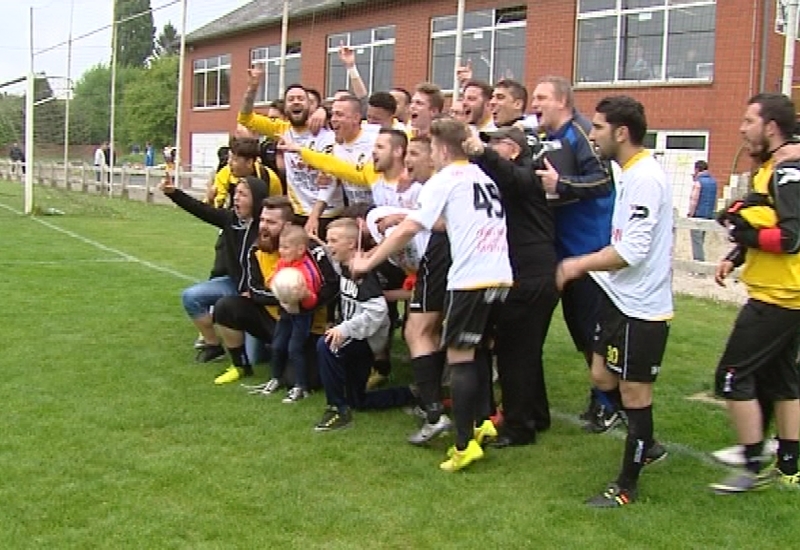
point(371, 202)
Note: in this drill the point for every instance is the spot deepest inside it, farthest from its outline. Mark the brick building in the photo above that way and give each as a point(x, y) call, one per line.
point(693, 63)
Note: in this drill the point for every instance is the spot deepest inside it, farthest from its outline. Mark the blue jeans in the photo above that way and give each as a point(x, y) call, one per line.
point(344, 375)
point(698, 236)
point(198, 299)
point(288, 344)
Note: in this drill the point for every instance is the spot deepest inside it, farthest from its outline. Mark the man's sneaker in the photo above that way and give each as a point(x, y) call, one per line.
point(734, 456)
point(786, 481)
point(231, 374)
point(295, 394)
point(416, 411)
point(742, 482)
point(376, 380)
point(613, 497)
point(200, 342)
point(334, 420)
point(603, 421)
point(656, 453)
point(459, 460)
point(485, 431)
point(209, 354)
point(430, 431)
point(267, 388)
point(591, 410)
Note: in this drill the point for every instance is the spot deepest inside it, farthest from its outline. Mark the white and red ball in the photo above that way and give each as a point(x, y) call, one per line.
point(288, 285)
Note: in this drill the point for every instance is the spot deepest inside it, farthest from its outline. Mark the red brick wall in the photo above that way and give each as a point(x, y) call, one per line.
point(715, 107)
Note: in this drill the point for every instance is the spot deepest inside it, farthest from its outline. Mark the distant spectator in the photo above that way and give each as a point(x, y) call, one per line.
point(17, 157)
point(100, 163)
point(701, 205)
point(149, 155)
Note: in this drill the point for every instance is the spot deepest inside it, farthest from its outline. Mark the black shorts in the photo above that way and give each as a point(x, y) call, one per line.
point(760, 359)
point(431, 286)
point(633, 348)
point(468, 314)
point(580, 302)
point(240, 313)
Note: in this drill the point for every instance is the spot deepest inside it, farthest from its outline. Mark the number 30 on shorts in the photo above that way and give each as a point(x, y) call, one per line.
point(487, 197)
point(612, 355)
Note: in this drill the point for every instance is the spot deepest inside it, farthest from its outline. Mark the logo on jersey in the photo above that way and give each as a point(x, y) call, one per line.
point(639, 212)
point(788, 175)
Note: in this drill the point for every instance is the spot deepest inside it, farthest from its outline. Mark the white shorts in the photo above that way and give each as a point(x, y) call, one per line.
point(408, 258)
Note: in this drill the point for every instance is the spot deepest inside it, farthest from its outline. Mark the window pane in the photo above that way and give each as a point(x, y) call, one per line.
point(383, 74)
point(199, 90)
point(694, 143)
point(447, 23)
point(292, 72)
point(335, 39)
point(225, 60)
point(384, 33)
point(224, 87)
point(641, 48)
point(597, 42)
point(212, 63)
point(510, 15)
point(364, 67)
point(212, 79)
point(443, 61)
point(200, 64)
point(260, 93)
point(690, 45)
point(633, 4)
point(258, 54)
point(478, 19)
point(337, 74)
point(293, 47)
point(649, 141)
point(476, 48)
point(273, 79)
point(588, 6)
point(361, 37)
point(509, 55)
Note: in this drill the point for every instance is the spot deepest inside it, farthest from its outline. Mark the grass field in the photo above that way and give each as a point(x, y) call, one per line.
point(115, 438)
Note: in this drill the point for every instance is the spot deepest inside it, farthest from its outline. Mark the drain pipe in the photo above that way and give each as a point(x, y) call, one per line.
point(766, 31)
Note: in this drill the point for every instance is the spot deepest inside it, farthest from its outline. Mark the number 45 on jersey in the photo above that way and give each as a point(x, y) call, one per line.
point(486, 197)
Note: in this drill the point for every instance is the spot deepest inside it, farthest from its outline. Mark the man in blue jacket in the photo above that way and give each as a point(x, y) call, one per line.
point(702, 204)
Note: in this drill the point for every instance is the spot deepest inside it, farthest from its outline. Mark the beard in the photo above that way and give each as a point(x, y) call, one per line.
point(267, 243)
point(298, 120)
point(762, 153)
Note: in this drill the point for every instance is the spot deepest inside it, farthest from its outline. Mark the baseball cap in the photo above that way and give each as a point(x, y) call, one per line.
point(507, 132)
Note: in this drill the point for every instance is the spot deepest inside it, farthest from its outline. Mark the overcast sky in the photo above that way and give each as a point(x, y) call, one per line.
point(51, 26)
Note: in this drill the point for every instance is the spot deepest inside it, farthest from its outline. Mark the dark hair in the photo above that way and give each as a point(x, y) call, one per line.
point(701, 166)
point(622, 110)
point(245, 147)
point(281, 203)
point(485, 88)
point(404, 92)
point(517, 90)
point(399, 138)
point(425, 140)
point(316, 94)
point(222, 157)
point(278, 104)
point(383, 100)
point(778, 108)
point(292, 87)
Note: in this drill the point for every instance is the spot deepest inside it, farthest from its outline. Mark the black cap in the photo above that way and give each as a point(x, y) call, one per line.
point(513, 133)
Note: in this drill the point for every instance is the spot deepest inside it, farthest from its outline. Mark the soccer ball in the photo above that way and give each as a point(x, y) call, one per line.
point(288, 285)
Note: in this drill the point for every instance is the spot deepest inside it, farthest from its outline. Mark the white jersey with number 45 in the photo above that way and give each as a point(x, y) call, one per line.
point(469, 201)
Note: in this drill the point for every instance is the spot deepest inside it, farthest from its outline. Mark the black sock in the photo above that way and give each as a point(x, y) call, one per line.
point(640, 437)
point(484, 404)
point(383, 366)
point(787, 456)
point(752, 457)
point(464, 387)
point(239, 357)
point(428, 378)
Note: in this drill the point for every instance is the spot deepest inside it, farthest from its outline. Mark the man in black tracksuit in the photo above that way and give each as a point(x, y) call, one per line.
point(524, 318)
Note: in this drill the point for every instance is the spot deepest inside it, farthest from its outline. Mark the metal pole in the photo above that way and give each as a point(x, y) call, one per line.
point(284, 42)
point(789, 46)
point(181, 73)
point(459, 40)
point(69, 96)
point(28, 164)
point(112, 117)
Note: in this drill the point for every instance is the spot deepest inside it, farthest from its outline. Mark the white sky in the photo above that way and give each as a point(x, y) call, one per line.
point(51, 22)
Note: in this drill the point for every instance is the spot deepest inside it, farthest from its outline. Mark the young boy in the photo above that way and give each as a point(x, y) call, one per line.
point(347, 351)
point(294, 325)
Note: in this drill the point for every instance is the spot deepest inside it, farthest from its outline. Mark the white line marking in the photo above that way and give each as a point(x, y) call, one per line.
point(677, 448)
point(100, 246)
point(66, 262)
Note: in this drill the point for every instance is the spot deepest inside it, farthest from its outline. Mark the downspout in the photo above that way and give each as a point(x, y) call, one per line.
point(765, 34)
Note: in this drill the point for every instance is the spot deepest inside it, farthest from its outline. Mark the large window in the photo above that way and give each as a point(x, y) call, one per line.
point(270, 60)
point(211, 84)
point(645, 40)
point(374, 49)
point(493, 43)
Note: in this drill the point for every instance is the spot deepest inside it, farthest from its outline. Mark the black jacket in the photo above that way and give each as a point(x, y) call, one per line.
point(238, 236)
point(529, 221)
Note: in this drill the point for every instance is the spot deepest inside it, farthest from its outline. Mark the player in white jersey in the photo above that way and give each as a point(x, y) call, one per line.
point(301, 181)
point(479, 277)
point(634, 272)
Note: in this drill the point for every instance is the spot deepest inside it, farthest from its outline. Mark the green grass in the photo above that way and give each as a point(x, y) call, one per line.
point(113, 437)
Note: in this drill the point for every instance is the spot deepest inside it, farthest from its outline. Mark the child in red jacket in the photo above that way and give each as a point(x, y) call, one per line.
point(294, 324)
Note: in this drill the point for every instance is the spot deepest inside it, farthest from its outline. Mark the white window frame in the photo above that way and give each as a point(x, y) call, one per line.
point(359, 50)
point(200, 66)
point(666, 8)
point(260, 56)
point(493, 29)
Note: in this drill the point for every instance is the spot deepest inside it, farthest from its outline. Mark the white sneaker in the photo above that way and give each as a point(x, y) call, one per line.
point(429, 431)
point(295, 394)
point(272, 385)
point(734, 456)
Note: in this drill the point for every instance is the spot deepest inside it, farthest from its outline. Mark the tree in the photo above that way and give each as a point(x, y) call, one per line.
point(90, 112)
point(150, 104)
point(135, 34)
point(168, 41)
